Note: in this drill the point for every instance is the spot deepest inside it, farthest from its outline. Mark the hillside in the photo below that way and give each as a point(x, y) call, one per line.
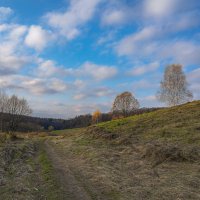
point(177, 124)
point(150, 156)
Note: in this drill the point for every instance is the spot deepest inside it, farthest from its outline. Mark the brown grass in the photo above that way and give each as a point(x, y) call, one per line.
point(151, 156)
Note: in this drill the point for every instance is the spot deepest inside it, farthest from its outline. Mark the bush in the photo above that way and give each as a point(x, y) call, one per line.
point(2, 137)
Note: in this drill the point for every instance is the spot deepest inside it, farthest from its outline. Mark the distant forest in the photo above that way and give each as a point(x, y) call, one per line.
point(15, 112)
point(44, 124)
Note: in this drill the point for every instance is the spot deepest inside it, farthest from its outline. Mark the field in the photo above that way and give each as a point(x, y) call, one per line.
point(151, 156)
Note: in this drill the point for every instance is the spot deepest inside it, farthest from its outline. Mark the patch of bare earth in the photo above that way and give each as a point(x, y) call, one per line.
point(71, 186)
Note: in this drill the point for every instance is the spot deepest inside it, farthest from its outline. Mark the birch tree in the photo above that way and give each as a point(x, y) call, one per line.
point(174, 87)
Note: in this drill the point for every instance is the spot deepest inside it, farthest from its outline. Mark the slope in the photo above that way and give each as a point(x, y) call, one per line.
point(150, 156)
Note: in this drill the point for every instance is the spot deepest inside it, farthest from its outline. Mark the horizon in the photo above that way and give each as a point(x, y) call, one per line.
point(69, 58)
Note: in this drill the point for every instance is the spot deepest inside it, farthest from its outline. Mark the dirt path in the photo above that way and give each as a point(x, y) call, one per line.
point(71, 187)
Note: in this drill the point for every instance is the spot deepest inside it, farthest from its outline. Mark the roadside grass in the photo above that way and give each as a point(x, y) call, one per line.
point(51, 189)
point(16, 169)
point(66, 132)
point(26, 172)
point(2, 138)
point(47, 169)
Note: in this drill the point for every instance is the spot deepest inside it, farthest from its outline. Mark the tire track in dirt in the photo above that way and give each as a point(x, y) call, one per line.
point(71, 187)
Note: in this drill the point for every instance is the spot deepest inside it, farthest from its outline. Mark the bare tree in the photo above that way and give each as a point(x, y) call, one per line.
point(16, 109)
point(125, 103)
point(3, 106)
point(173, 89)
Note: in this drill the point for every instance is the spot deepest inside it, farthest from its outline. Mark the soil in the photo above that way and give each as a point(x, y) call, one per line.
point(71, 187)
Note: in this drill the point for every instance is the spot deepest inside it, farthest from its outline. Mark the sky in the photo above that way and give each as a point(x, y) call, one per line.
point(71, 57)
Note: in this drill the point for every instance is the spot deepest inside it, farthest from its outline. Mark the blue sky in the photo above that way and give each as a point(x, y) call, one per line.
point(70, 57)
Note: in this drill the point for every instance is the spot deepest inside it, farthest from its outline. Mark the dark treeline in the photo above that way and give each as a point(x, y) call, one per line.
point(29, 124)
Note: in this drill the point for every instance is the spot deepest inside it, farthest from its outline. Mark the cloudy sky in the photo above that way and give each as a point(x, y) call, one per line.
point(70, 57)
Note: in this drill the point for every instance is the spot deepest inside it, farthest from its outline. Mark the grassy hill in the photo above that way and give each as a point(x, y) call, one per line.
point(175, 124)
point(150, 156)
point(166, 134)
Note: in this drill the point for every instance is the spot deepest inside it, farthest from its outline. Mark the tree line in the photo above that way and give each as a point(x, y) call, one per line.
point(15, 111)
point(173, 91)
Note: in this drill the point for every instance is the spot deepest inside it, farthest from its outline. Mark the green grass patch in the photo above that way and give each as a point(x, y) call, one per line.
point(51, 186)
point(67, 131)
point(47, 168)
point(179, 123)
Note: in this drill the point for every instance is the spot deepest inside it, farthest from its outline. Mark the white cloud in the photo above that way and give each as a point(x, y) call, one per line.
point(107, 37)
point(11, 63)
point(37, 38)
point(80, 96)
point(94, 93)
point(119, 12)
point(114, 17)
point(98, 72)
point(12, 35)
point(5, 12)
point(153, 39)
point(130, 44)
point(89, 108)
point(150, 101)
point(64, 110)
point(48, 68)
point(194, 75)
point(140, 70)
point(193, 78)
point(12, 58)
point(80, 84)
point(17, 33)
point(184, 52)
point(184, 22)
point(68, 23)
point(152, 42)
point(160, 8)
point(150, 98)
point(145, 84)
point(163, 9)
point(59, 85)
point(195, 90)
point(43, 86)
point(33, 85)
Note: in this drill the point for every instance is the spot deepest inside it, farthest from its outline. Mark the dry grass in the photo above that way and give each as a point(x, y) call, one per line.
point(2, 138)
point(130, 172)
point(150, 156)
point(24, 168)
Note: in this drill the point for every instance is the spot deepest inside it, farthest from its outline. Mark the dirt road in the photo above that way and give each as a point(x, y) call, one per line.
point(71, 187)
point(77, 167)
